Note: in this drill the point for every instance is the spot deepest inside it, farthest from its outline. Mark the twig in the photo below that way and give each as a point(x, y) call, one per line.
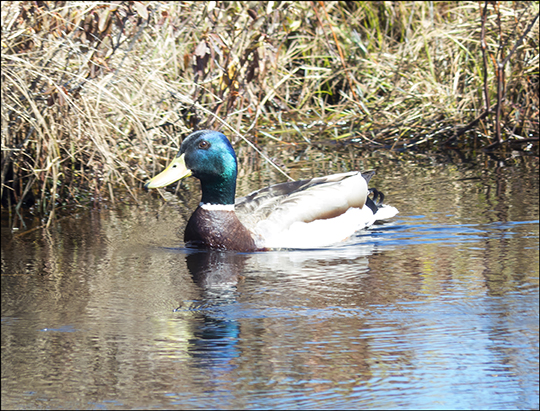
point(500, 79)
point(518, 43)
point(232, 129)
point(500, 75)
point(484, 57)
point(463, 130)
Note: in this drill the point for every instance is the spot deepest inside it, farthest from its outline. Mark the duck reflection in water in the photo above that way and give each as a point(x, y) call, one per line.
point(216, 334)
point(216, 268)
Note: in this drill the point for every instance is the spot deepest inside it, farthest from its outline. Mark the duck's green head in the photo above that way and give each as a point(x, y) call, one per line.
point(209, 156)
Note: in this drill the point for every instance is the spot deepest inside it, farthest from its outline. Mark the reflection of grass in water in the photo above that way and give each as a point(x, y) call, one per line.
point(95, 96)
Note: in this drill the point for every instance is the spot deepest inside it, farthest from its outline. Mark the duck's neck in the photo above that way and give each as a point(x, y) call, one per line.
point(219, 191)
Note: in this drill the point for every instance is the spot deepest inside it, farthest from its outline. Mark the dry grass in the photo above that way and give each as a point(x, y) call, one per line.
point(96, 94)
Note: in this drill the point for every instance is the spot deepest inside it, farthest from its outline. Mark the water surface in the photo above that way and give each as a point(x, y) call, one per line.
point(436, 309)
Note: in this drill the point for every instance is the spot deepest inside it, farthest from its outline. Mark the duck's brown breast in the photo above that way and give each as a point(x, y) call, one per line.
point(217, 229)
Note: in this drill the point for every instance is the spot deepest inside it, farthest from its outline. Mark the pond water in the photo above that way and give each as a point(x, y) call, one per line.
point(436, 309)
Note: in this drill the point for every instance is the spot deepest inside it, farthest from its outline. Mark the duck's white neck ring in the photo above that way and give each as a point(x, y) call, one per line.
point(214, 207)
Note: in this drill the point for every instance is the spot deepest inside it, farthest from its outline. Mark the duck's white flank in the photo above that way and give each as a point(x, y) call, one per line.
point(322, 233)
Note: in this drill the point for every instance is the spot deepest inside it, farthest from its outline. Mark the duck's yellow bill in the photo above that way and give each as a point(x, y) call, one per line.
point(174, 172)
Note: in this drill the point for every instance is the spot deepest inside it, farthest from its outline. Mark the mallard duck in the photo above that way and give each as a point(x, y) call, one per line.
point(300, 214)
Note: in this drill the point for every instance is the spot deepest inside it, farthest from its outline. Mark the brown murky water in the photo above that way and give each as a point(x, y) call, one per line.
point(436, 309)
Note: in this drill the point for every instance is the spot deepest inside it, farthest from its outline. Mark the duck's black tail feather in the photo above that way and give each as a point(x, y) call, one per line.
point(378, 198)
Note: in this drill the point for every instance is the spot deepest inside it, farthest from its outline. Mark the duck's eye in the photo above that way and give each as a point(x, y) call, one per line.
point(204, 144)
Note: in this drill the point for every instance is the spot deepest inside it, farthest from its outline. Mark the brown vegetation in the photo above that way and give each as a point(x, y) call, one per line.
point(96, 94)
